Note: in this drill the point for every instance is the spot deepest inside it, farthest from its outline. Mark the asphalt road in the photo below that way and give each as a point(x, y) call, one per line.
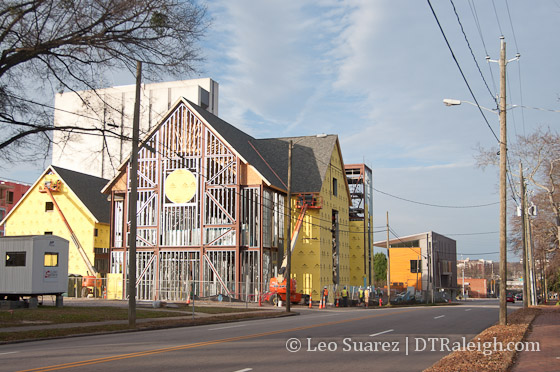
point(339, 339)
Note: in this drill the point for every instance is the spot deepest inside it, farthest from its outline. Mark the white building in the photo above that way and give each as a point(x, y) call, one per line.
point(112, 109)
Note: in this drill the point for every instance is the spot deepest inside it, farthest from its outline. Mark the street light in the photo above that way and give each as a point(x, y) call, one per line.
point(456, 102)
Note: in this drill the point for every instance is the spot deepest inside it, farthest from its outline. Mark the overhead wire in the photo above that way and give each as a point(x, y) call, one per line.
point(492, 95)
point(462, 73)
point(479, 28)
point(497, 18)
point(436, 205)
point(404, 199)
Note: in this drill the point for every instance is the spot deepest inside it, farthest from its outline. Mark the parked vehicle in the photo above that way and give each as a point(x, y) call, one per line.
point(510, 298)
point(519, 297)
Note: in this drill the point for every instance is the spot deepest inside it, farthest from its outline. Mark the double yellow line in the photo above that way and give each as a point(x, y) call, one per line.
point(201, 344)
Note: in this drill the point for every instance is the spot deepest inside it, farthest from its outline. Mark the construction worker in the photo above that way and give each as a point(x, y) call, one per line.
point(360, 296)
point(366, 297)
point(325, 295)
point(344, 294)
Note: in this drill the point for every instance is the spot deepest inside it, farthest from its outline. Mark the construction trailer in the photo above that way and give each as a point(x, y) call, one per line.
point(33, 266)
point(212, 210)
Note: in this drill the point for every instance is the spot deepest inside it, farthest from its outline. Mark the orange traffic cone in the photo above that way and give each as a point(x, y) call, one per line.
point(310, 302)
point(188, 299)
point(337, 302)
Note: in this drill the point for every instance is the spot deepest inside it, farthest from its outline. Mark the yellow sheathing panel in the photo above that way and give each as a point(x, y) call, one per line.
point(359, 232)
point(357, 252)
point(312, 256)
point(114, 286)
point(31, 218)
point(400, 267)
point(102, 238)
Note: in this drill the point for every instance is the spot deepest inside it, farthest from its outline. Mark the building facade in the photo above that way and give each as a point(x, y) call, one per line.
point(10, 194)
point(212, 209)
point(426, 261)
point(75, 202)
point(109, 112)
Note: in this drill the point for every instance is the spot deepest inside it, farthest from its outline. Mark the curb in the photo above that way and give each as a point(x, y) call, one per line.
point(216, 319)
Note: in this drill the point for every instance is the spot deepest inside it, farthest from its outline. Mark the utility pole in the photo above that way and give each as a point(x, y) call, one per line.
point(524, 235)
point(503, 175)
point(388, 265)
point(463, 276)
point(288, 274)
point(531, 262)
point(503, 191)
point(133, 176)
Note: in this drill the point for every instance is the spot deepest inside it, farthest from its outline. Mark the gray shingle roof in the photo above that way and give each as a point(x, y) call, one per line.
point(88, 189)
point(311, 155)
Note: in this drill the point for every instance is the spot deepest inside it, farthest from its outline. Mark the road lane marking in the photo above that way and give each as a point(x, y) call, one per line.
point(244, 370)
point(203, 343)
point(10, 352)
point(468, 309)
point(437, 317)
point(380, 333)
point(235, 326)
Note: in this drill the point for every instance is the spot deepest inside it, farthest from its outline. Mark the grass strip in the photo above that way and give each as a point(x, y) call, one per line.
point(40, 334)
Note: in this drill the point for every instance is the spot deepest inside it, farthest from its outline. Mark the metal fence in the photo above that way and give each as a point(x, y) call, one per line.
point(183, 290)
point(79, 286)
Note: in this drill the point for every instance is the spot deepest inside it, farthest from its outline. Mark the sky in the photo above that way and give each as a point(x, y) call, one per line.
point(375, 73)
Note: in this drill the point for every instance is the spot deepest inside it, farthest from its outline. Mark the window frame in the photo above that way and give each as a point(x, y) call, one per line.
point(52, 254)
point(14, 259)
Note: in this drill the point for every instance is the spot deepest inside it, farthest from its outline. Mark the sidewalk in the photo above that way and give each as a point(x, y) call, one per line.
point(545, 331)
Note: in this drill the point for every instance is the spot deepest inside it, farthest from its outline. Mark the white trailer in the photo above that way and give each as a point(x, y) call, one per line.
point(33, 265)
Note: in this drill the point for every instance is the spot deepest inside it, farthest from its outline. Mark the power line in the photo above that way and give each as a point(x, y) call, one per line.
point(497, 19)
point(408, 200)
point(477, 22)
point(461, 71)
point(472, 53)
point(435, 205)
point(475, 233)
point(512, 29)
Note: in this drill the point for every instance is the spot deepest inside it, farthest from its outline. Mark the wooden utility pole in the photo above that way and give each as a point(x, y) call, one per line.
point(524, 235)
point(288, 274)
point(503, 191)
point(133, 176)
point(388, 265)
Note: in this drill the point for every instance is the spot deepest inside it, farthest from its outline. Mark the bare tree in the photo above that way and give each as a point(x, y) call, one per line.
point(50, 46)
point(539, 153)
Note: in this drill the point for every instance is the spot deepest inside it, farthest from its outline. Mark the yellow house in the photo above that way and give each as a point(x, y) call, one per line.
point(59, 202)
point(321, 255)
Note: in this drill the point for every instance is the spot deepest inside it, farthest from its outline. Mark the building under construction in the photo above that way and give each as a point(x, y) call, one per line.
point(360, 183)
point(212, 210)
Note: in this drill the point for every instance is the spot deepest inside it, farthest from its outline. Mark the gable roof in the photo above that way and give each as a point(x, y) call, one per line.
point(311, 155)
point(88, 189)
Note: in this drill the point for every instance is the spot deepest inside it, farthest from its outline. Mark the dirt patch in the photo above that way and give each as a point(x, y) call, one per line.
point(485, 354)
